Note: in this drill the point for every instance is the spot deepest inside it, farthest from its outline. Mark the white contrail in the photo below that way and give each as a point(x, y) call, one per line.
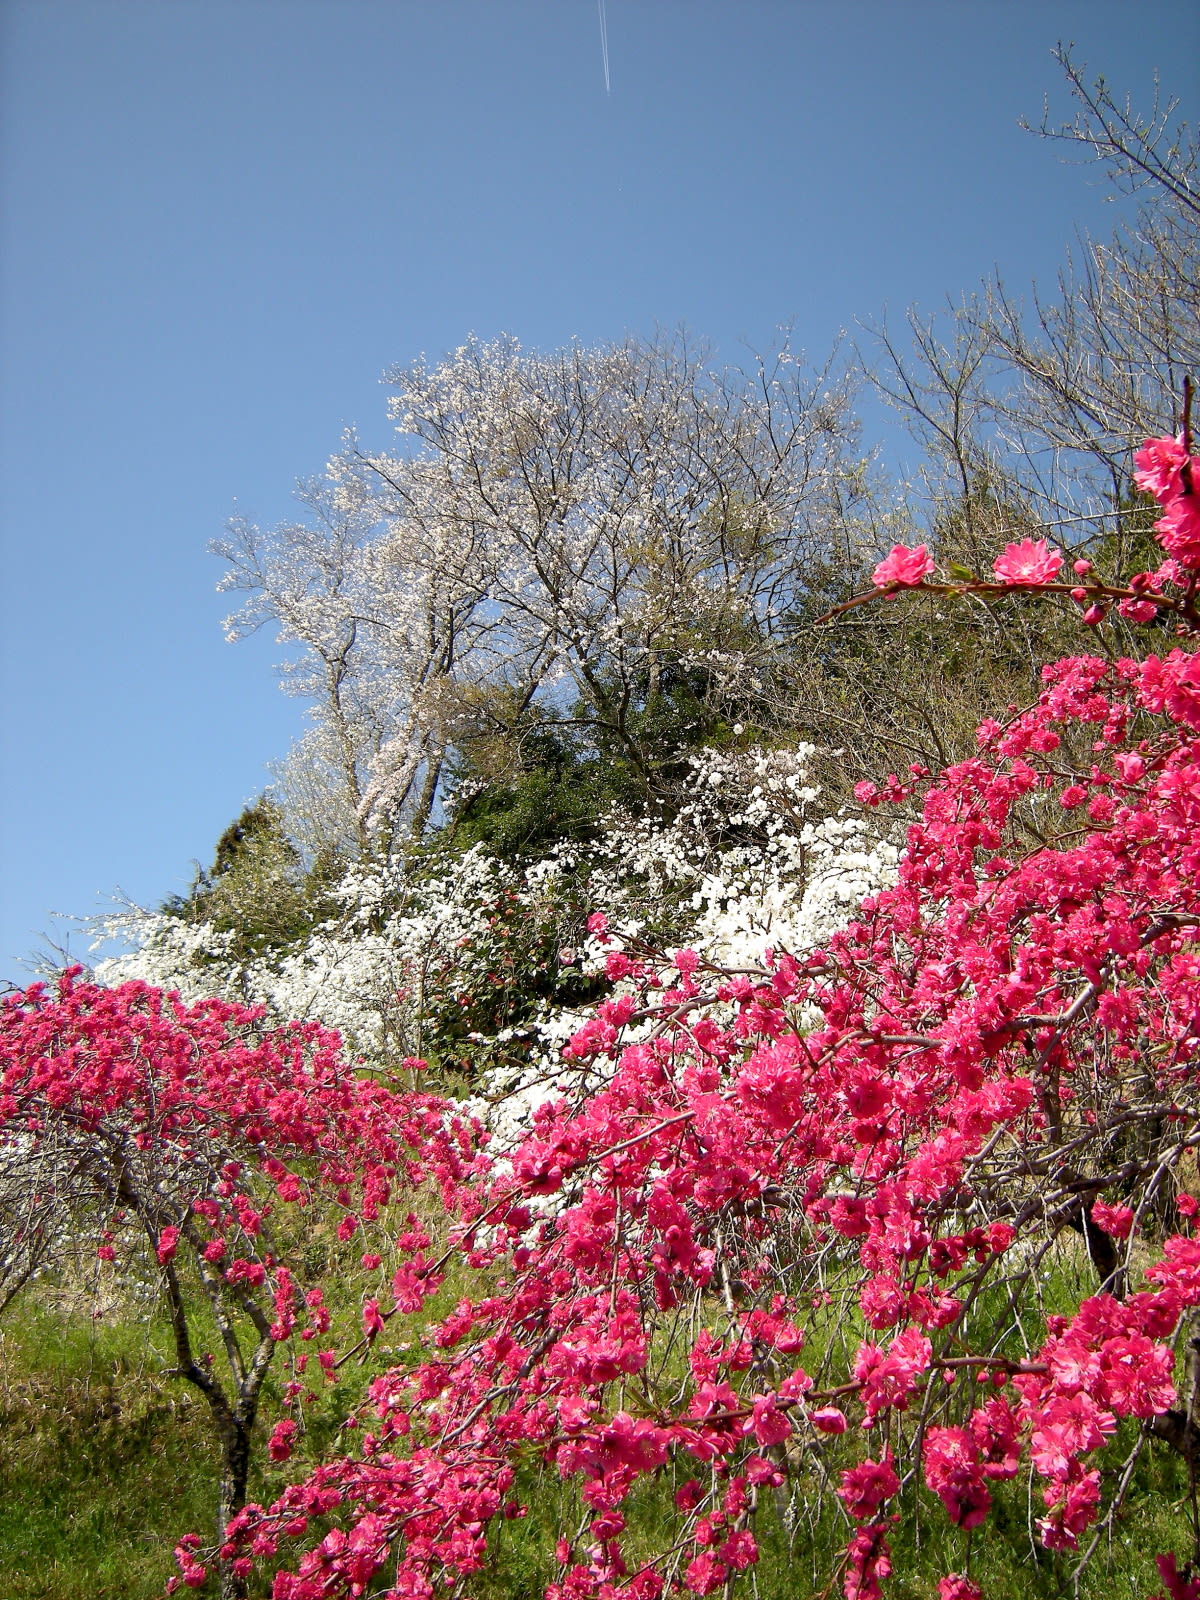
point(604, 43)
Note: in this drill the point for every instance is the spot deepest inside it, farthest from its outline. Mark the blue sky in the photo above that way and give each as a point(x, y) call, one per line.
point(221, 221)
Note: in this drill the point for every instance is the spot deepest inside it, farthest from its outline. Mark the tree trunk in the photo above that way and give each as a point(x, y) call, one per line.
point(433, 774)
point(235, 1472)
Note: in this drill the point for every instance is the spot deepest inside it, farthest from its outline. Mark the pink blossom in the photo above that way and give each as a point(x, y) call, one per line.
point(954, 1473)
point(903, 566)
point(1030, 561)
point(280, 1444)
point(1138, 1375)
point(1172, 684)
point(1069, 1426)
point(617, 965)
point(828, 1419)
point(888, 1378)
point(1178, 529)
point(1158, 467)
point(704, 1574)
point(869, 1560)
point(996, 1430)
point(1073, 1509)
point(1115, 1220)
point(740, 1550)
point(955, 1587)
point(865, 1487)
point(769, 1424)
point(1177, 1584)
point(1138, 611)
point(881, 1298)
point(689, 1495)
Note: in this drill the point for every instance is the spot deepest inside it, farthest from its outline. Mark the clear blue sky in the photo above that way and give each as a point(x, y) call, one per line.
point(222, 220)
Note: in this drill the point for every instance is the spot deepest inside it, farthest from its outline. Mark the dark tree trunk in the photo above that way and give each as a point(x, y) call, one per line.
point(235, 1473)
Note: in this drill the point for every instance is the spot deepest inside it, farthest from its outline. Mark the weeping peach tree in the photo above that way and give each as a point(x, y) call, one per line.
point(189, 1143)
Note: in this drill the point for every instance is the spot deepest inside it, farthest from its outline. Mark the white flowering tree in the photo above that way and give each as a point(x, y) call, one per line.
point(552, 533)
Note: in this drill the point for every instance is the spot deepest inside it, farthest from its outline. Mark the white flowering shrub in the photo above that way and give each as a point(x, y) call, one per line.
point(747, 864)
point(486, 967)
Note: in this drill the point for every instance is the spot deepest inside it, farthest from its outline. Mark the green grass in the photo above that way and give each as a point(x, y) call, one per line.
point(105, 1463)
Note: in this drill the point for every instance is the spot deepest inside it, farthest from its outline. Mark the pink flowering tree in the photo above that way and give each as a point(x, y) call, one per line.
point(801, 1243)
point(194, 1144)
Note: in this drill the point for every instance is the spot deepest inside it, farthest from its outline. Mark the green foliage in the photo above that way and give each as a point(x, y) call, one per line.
point(681, 705)
point(258, 888)
point(530, 783)
point(550, 793)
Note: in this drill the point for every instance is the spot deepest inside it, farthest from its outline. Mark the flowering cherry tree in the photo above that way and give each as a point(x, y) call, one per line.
point(551, 534)
point(189, 1137)
point(799, 1247)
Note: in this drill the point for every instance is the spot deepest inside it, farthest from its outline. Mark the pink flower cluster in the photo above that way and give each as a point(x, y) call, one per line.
point(1164, 469)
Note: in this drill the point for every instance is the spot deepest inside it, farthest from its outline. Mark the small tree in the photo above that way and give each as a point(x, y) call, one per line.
point(186, 1137)
point(257, 890)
